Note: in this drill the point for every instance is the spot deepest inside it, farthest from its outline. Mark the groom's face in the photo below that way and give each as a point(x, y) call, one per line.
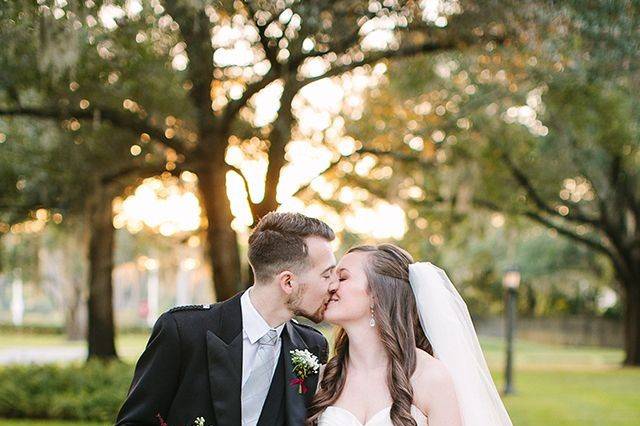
point(314, 286)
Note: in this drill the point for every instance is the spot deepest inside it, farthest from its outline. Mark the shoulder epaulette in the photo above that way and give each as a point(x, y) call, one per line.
point(190, 308)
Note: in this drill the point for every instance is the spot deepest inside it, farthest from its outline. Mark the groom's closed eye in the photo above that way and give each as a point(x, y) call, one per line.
point(326, 274)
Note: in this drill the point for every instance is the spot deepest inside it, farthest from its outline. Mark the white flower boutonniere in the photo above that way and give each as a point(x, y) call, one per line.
point(304, 364)
point(199, 421)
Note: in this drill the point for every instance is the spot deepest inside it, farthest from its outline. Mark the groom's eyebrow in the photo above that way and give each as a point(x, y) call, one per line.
point(328, 269)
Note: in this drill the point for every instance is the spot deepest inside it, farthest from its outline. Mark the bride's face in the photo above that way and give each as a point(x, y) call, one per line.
point(351, 301)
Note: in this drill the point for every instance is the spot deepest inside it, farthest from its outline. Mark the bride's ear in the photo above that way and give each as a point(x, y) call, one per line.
point(284, 280)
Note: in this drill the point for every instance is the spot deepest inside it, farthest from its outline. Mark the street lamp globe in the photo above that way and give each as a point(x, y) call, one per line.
point(511, 279)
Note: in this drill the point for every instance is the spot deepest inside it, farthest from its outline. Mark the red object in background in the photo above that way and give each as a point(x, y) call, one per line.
point(143, 308)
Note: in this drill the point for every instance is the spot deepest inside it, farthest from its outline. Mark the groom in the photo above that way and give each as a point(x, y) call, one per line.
point(230, 363)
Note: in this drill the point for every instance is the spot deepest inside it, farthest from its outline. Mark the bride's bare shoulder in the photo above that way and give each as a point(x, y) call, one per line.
point(426, 363)
point(431, 381)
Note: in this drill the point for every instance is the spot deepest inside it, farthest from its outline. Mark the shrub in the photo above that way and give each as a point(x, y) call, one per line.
point(92, 391)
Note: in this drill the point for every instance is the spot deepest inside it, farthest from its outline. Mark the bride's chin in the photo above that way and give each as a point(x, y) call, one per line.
point(329, 314)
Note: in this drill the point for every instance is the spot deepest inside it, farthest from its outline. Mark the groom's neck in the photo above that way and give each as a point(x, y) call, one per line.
point(268, 302)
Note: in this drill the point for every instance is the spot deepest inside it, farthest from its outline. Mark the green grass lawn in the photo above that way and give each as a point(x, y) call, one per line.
point(12, 422)
point(129, 346)
point(555, 385)
point(604, 397)
point(567, 386)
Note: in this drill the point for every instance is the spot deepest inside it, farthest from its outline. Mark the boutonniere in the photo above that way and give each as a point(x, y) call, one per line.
point(304, 364)
point(199, 421)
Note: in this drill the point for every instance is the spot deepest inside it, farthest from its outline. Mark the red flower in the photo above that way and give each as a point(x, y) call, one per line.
point(161, 420)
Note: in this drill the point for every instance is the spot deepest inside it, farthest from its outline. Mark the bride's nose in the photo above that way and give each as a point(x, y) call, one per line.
point(333, 285)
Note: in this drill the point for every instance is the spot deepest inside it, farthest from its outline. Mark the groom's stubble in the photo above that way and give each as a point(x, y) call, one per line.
point(294, 304)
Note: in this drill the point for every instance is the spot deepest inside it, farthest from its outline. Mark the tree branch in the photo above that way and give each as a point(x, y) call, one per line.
point(567, 232)
point(252, 205)
point(126, 121)
point(195, 28)
point(338, 46)
point(234, 106)
point(270, 53)
point(378, 56)
point(522, 179)
point(142, 171)
point(330, 167)
point(335, 163)
point(279, 137)
point(397, 155)
point(593, 244)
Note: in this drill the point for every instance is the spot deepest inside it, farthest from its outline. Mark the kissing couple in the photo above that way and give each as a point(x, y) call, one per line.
point(405, 351)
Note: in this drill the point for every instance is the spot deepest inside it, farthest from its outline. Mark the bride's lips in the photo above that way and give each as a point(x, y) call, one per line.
point(333, 299)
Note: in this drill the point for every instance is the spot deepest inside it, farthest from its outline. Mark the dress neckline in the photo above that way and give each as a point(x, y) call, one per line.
point(353, 416)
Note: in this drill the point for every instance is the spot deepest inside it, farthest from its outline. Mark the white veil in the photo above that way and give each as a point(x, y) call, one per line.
point(447, 324)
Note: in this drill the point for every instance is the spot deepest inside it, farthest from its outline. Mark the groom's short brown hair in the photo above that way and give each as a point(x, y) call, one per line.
point(277, 243)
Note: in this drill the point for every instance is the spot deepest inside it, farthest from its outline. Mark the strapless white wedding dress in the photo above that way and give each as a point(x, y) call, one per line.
point(337, 416)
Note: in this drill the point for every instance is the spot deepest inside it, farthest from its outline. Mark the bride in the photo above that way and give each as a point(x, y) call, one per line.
point(406, 352)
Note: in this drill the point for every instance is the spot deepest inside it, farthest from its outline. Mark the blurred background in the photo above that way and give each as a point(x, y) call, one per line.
point(141, 140)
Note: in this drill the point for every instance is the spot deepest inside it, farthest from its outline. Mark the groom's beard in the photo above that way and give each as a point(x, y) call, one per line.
point(295, 300)
point(316, 316)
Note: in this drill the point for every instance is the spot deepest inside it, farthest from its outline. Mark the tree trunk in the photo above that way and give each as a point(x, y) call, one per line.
point(278, 140)
point(101, 329)
point(73, 324)
point(75, 277)
point(632, 323)
point(222, 242)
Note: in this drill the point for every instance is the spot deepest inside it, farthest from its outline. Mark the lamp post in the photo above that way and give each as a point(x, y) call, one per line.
point(511, 282)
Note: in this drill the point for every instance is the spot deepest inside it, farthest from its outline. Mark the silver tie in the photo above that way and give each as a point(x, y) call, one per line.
point(254, 391)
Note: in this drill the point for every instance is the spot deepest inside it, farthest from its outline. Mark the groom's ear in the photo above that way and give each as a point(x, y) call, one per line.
point(284, 280)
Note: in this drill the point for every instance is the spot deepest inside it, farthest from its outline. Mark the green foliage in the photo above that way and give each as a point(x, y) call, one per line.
point(56, 160)
point(552, 104)
point(93, 391)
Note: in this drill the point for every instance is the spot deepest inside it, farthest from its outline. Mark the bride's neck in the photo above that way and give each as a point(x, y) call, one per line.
point(365, 347)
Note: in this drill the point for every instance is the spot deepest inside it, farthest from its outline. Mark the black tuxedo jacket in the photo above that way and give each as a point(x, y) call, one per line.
point(192, 367)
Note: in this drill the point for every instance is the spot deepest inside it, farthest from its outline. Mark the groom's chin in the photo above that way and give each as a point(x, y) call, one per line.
point(317, 316)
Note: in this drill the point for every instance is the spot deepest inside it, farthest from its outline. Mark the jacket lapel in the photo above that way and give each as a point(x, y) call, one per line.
point(224, 353)
point(295, 402)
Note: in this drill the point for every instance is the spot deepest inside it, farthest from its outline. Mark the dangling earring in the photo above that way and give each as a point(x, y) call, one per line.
point(372, 321)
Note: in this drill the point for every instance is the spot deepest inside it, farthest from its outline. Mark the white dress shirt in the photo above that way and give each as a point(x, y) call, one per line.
point(253, 328)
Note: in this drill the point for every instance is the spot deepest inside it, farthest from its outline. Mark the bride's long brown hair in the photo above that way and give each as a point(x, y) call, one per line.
point(395, 313)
